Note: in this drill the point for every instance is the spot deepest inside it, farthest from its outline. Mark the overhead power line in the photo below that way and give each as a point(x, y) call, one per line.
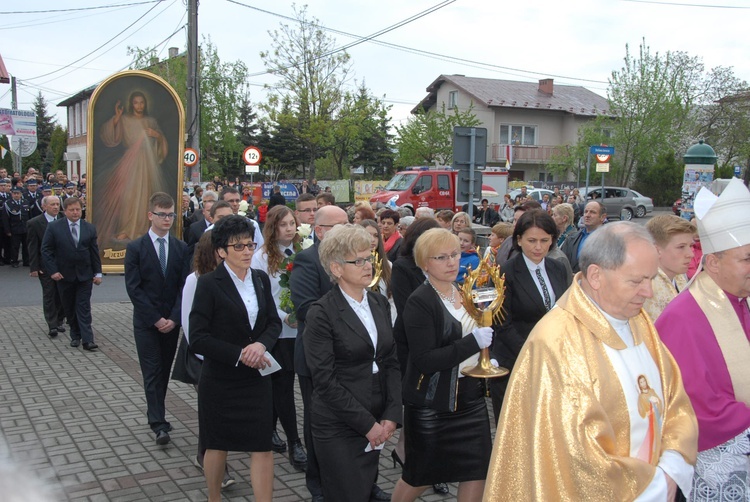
point(433, 55)
point(48, 11)
point(679, 4)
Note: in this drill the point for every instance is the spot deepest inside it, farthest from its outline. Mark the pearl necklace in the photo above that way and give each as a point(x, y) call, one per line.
point(451, 298)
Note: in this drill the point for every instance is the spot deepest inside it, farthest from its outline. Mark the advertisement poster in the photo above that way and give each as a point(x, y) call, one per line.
point(20, 127)
point(339, 189)
point(135, 147)
point(363, 190)
point(288, 190)
point(695, 178)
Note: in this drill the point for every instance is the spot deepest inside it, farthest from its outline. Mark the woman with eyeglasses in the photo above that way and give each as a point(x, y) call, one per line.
point(349, 348)
point(445, 416)
point(233, 323)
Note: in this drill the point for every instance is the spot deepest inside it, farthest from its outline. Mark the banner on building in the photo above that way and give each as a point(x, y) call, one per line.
point(363, 190)
point(20, 127)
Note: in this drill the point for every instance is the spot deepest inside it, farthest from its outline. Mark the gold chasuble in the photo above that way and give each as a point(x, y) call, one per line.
point(564, 431)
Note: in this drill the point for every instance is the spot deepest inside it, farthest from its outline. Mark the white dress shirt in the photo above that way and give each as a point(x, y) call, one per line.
point(362, 309)
point(532, 270)
point(154, 241)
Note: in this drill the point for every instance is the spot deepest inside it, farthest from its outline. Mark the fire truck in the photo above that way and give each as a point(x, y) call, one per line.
point(435, 187)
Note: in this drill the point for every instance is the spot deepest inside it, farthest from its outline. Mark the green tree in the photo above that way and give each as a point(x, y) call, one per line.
point(661, 180)
point(57, 146)
point(652, 96)
point(284, 156)
point(312, 73)
point(427, 137)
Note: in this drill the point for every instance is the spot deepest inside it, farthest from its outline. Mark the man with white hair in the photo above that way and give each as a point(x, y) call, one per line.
point(424, 212)
point(595, 408)
point(707, 328)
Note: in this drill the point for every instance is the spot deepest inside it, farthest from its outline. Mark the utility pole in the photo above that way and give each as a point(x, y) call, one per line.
point(193, 89)
point(14, 105)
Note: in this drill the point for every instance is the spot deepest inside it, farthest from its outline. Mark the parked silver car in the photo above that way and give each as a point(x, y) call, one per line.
point(534, 193)
point(643, 204)
point(618, 201)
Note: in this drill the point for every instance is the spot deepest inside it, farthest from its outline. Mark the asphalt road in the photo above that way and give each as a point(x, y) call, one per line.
point(18, 289)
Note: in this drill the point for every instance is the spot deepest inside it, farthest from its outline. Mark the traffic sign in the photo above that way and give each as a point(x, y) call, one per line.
point(602, 167)
point(602, 158)
point(737, 171)
point(252, 155)
point(190, 157)
point(604, 150)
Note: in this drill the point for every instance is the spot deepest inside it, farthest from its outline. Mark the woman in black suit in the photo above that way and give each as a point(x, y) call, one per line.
point(233, 323)
point(445, 415)
point(349, 347)
point(527, 296)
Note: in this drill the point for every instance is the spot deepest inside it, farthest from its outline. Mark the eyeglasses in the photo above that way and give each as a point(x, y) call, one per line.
point(359, 262)
point(309, 210)
point(445, 257)
point(165, 216)
point(240, 246)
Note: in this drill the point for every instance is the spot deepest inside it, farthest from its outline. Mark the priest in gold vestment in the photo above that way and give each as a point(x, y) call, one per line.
point(595, 408)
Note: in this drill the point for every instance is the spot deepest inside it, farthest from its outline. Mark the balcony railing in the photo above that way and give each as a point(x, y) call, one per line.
point(531, 154)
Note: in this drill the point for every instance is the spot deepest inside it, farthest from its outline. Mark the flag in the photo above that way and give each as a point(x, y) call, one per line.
point(508, 155)
point(3, 151)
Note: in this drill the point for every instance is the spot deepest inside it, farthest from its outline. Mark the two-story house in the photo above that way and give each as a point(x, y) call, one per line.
point(525, 121)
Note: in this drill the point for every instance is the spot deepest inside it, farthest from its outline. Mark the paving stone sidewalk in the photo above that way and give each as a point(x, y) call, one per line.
point(75, 420)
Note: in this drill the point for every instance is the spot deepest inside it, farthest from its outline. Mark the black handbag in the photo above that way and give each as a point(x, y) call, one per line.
point(187, 367)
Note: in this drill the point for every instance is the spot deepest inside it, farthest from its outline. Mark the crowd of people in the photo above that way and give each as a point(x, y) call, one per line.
point(627, 381)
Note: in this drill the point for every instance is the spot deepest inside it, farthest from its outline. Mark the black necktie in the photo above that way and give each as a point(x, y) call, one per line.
point(288, 252)
point(545, 292)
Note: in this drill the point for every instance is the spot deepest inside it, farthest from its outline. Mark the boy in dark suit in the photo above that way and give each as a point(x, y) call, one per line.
point(155, 270)
point(70, 255)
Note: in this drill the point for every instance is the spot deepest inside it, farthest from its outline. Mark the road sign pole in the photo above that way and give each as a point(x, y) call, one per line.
point(472, 159)
point(588, 175)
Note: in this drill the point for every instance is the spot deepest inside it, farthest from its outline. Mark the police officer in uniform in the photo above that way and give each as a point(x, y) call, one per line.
point(5, 245)
point(15, 215)
point(34, 198)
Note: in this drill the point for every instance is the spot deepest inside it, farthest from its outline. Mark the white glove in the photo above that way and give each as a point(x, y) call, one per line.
point(483, 337)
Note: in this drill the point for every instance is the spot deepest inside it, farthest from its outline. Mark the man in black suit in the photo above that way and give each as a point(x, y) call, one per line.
point(155, 270)
point(51, 302)
point(276, 198)
point(197, 229)
point(70, 255)
point(187, 216)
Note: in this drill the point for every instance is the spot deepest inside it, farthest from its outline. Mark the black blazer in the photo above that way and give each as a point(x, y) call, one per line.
point(307, 284)
point(340, 354)
point(220, 328)
point(436, 347)
point(406, 277)
point(395, 251)
point(60, 254)
point(153, 294)
point(36, 226)
point(524, 306)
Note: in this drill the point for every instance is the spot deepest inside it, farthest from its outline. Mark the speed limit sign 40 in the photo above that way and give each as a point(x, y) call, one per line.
point(190, 157)
point(252, 155)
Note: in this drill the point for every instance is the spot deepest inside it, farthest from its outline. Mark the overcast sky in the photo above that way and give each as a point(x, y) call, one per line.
point(576, 43)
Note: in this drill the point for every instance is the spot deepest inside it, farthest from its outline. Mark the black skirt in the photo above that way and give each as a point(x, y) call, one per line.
point(235, 414)
point(448, 447)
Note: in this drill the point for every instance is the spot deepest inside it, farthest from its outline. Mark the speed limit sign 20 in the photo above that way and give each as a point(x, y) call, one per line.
point(252, 155)
point(190, 158)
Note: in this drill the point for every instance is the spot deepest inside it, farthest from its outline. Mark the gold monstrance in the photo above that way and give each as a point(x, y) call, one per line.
point(484, 304)
point(377, 271)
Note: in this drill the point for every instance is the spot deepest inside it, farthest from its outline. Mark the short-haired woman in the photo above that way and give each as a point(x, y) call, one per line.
point(388, 220)
point(445, 415)
point(674, 239)
point(460, 221)
point(533, 282)
point(563, 214)
point(233, 322)
point(349, 347)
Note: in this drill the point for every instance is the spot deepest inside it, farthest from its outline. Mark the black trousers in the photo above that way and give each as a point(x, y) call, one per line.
point(498, 386)
point(156, 352)
point(18, 242)
point(283, 389)
point(312, 474)
point(51, 302)
point(76, 301)
point(6, 248)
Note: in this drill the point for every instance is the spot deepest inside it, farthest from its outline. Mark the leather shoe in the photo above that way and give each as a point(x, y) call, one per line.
point(297, 455)
point(162, 438)
point(14, 265)
point(52, 333)
point(277, 444)
point(440, 488)
point(379, 495)
point(75, 343)
point(61, 328)
point(90, 346)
